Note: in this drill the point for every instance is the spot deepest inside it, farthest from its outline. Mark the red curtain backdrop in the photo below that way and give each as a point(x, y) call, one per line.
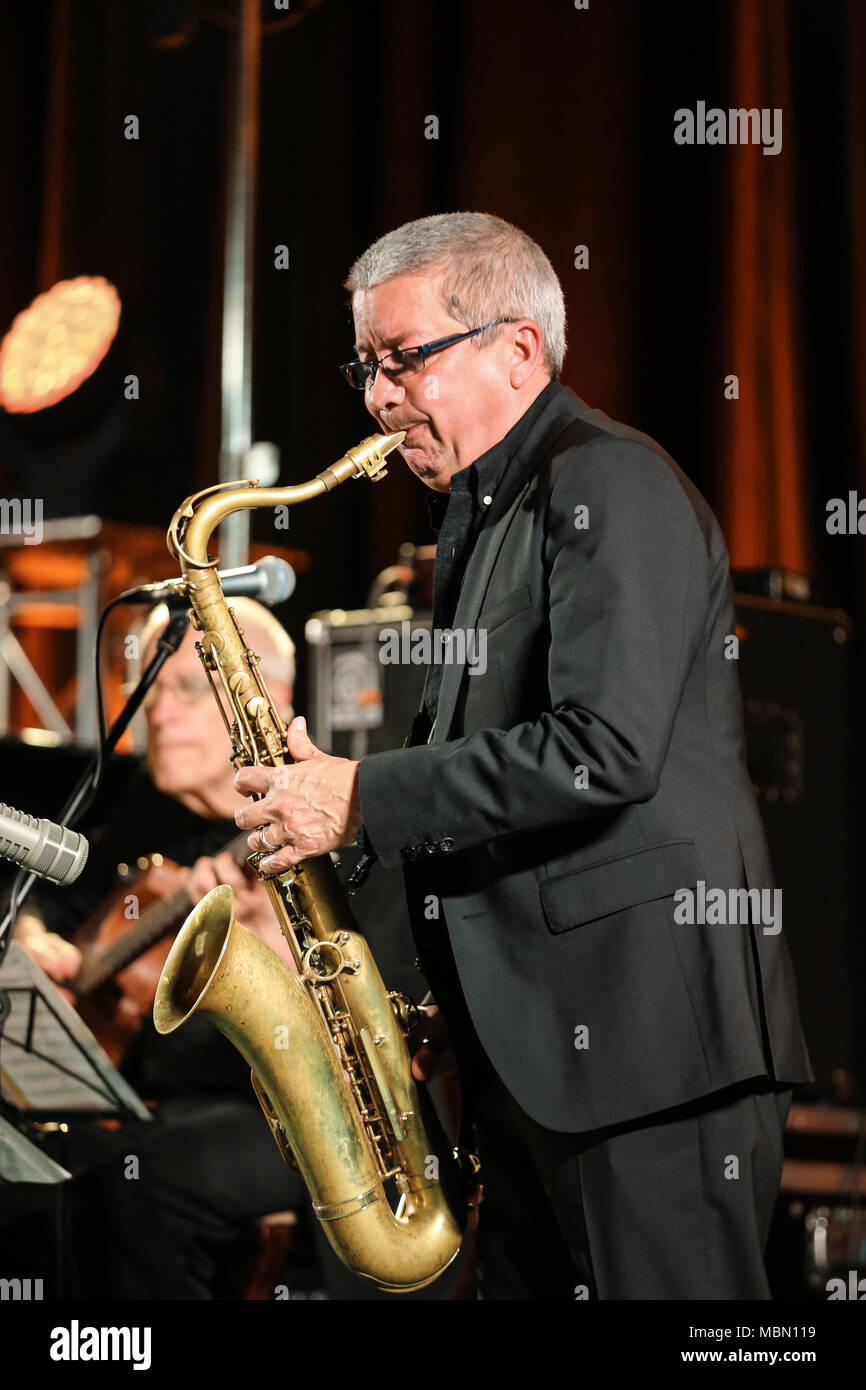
point(761, 457)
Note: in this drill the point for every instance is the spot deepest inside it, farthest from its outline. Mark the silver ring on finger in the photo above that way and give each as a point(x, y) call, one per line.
point(265, 841)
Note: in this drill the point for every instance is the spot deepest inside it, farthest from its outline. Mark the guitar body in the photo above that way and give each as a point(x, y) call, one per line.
point(115, 1010)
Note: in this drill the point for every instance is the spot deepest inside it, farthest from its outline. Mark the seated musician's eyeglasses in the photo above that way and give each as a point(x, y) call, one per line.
point(405, 361)
point(187, 689)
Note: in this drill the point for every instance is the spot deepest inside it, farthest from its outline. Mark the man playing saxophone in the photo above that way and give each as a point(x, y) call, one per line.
point(548, 810)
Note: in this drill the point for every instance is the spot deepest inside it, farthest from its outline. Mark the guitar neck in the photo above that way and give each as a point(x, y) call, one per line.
point(162, 917)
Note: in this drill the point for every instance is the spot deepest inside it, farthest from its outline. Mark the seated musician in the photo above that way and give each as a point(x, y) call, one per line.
point(154, 1210)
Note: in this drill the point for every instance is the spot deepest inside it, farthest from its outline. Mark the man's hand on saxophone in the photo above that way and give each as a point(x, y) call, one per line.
point(309, 807)
point(430, 1045)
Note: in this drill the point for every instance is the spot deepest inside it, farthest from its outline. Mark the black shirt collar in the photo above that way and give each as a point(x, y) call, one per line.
point(482, 477)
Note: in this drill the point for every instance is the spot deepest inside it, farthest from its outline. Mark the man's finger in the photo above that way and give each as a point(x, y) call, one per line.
point(286, 858)
point(68, 955)
point(422, 1064)
point(426, 1063)
point(299, 743)
point(56, 965)
point(251, 817)
point(227, 871)
point(202, 878)
point(259, 845)
point(246, 889)
point(252, 779)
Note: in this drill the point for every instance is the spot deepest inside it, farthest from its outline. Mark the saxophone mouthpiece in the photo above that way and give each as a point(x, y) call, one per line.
point(390, 441)
point(384, 445)
point(369, 456)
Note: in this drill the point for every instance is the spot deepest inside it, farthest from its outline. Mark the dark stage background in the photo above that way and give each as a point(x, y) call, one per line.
point(703, 261)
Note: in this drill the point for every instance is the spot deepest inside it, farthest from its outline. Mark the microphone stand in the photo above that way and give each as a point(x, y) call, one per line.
point(84, 792)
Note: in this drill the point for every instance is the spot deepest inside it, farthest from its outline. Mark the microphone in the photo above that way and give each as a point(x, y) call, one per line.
point(41, 847)
point(270, 580)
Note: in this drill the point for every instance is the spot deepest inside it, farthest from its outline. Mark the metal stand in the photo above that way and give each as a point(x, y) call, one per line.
point(16, 666)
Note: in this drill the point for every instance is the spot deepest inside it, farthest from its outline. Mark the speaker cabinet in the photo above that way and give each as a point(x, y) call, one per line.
point(795, 674)
point(359, 703)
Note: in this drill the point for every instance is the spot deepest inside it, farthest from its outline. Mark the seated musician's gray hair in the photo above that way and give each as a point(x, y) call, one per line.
point(278, 649)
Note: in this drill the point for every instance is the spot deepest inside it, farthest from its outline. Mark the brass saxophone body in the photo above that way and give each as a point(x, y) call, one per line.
point(327, 1045)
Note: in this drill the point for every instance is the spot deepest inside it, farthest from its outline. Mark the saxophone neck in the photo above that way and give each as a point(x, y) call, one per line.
point(197, 518)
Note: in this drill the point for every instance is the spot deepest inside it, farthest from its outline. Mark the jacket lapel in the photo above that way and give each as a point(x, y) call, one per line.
point(561, 412)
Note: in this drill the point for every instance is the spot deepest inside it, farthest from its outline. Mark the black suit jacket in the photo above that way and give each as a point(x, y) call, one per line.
point(605, 651)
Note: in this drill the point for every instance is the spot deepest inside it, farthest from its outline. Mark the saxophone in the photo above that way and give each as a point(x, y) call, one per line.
point(327, 1043)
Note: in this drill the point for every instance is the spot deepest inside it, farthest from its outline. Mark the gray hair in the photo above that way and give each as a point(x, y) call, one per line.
point(490, 270)
point(263, 629)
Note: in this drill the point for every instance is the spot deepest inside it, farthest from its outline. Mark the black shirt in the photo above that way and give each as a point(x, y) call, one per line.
point(458, 516)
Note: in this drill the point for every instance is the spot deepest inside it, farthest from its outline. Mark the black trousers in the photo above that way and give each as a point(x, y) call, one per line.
point(676, 1206)
point(155, 1210)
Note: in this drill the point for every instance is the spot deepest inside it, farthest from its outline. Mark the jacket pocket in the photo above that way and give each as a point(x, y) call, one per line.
point(598, 890)
point(513, 603)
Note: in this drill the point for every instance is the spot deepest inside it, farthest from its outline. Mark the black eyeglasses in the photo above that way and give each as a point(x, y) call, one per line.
point(405, 361)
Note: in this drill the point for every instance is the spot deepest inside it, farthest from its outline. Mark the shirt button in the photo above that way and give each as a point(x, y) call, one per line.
point(487, 500)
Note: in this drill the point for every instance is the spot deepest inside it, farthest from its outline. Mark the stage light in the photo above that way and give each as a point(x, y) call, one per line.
point(57, 343)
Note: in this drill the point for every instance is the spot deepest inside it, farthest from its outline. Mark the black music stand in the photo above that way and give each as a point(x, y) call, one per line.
point(50, 1063)
point(51, 1067)
point(31, 1199)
